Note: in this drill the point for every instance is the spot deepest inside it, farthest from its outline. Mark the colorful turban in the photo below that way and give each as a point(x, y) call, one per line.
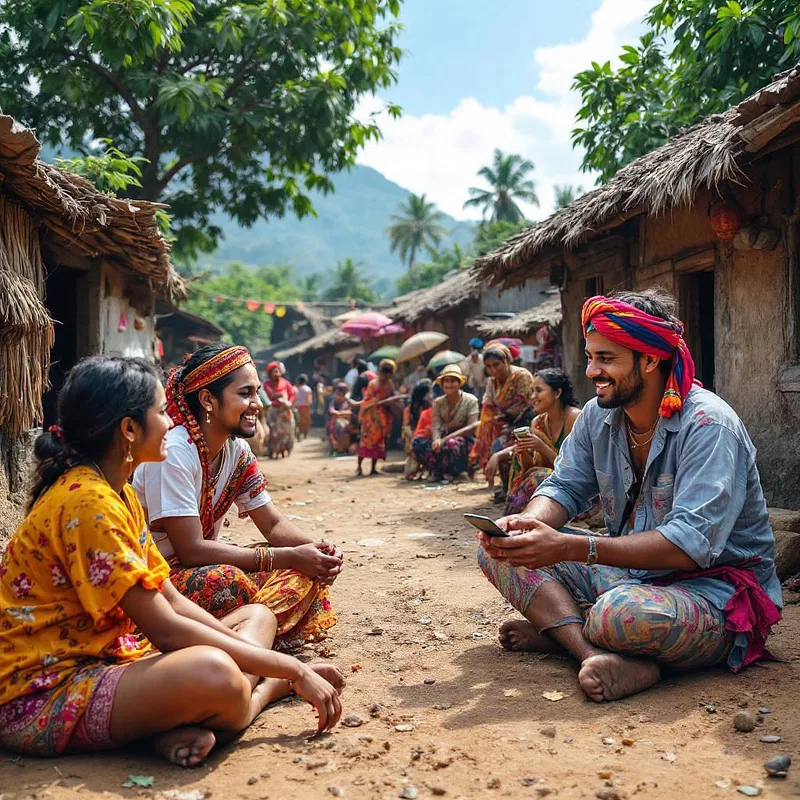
point(178, 386)
point(273, 365)
point(626, 325)
point(386, 365)
point(496, 349)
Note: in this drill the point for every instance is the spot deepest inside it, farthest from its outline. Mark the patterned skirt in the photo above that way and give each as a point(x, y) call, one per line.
point(452, 458)
point(74, 717)
point(301, 606)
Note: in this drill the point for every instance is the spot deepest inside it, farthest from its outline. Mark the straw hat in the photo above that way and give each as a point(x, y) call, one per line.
point(452, 371)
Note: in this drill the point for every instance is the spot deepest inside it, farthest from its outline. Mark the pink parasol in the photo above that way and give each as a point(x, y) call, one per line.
point(371, 324)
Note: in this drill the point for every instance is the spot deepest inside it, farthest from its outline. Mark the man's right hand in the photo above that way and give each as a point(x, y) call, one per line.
point(322, 695)
point(315, 563)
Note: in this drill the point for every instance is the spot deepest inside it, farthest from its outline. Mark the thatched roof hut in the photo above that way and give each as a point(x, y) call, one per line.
point(522, 324)
point(704, 156)
point(457, 289)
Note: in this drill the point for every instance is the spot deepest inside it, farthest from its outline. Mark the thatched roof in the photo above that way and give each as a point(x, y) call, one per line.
point(329, 340)
point(456, 289)
point(705, 155)
point(81, 219)
point(546, 313)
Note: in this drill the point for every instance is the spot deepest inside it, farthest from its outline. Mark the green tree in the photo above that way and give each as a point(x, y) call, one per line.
point(349, 284)
point(432, 272)
point(508, 183)
point(310, 286)
point(416, 227)
point(566, 194)
point(239, 107)
point(241, 325)
point(698, 58)
point(491, 235)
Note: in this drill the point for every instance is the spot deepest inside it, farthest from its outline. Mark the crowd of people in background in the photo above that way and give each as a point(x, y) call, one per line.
point(484, 413)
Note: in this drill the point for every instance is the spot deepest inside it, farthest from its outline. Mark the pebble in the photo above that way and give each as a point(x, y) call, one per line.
point(367, 737)
point(375, 709)
point(251, 781)
point(549, 732)
point(429, 681)
point(439, 791)
point(771, 739)
point(494, 783)
point(409, 793)
point(404, 728)
point(628, 742)
point(711, 708)
point(336, 791)
point(352, 721)
point(764, 710)
point(442, 706)
point(778, 767)
point(744, 721)
point(608, 794)
point(543, 791)
point(750, 791)
point(375, 632)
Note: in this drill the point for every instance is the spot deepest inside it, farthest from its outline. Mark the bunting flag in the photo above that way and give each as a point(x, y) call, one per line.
point(278, 308)
point(253, 305)
point(280, 311)
point(269, 308)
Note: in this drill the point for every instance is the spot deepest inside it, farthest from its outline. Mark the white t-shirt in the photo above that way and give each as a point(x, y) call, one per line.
point(173, 488)
point(304, 396)
point(350, 378)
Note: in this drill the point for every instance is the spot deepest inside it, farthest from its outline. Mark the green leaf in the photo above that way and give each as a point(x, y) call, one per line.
point(143, 781)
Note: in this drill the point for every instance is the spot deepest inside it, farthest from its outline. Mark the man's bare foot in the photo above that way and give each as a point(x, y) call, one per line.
point(520, 635)
point(608, 676)
point(331, 674)
point(185, 747)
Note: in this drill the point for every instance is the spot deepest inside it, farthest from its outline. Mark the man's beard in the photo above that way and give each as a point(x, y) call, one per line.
point(626, 393)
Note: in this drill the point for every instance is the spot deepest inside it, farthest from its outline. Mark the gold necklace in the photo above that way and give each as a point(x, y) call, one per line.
point(631, 435)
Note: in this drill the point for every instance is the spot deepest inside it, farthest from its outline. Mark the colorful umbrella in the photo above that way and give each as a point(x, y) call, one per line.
point(420, 343)
point(370, 325)
point(387, 351)
point(444, 358)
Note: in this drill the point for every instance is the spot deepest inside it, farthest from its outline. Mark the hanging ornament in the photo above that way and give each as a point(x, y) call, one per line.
point(269, 308)
point(280, 311)
point(727, 217)
point(253, 305)
point(122, 325)
point(217, 299)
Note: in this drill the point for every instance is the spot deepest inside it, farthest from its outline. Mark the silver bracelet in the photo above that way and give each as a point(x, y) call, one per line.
point(592, 557)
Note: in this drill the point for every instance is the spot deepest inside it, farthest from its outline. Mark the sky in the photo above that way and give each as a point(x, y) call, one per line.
point(486, 74)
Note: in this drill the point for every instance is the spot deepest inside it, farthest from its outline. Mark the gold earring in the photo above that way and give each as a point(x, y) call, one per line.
point(129, 456)
point(208, 416)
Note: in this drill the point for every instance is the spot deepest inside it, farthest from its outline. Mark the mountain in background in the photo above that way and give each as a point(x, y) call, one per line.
point(351, 223)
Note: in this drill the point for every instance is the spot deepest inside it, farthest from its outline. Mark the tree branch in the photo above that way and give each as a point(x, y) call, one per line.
point(164, 179)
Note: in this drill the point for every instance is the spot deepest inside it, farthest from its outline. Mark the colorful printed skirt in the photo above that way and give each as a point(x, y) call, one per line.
point(452, 459)
point(281, 430)
point(74, 717)
point(302, 606)
point(521, 489)
point(304, 419)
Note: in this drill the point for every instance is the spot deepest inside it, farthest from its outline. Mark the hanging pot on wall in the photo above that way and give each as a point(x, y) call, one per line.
point(727, 218)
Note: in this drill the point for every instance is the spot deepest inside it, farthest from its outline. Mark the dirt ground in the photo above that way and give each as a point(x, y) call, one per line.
point(445, 711)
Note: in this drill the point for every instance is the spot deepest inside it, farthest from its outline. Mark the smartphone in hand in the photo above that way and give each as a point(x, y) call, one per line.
point(486, 525)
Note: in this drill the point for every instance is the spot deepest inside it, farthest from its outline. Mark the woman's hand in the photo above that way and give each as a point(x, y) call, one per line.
point(538, 546)
point(436, 446)
point(530, 443)
point(492, 468)
point(316, 691)
point(316, 561)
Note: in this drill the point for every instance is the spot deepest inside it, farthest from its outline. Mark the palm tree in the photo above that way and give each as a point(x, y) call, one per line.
point(349, 284)
point(566, 194)
point(417, 226)
point(309, 286)
point(508, 182)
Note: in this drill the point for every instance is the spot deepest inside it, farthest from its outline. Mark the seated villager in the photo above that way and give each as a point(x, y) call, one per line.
point(532, 457)
point(213, 401)
point(445, 453)
point(686, 578)
point(417, 423)
point(507, 404)
point(86, 602)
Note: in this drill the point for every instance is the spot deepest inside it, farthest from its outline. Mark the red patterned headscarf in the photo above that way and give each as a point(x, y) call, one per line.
point(626, 325)
point(178, 386)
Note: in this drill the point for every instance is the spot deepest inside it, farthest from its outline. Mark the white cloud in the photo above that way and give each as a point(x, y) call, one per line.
point(439, 154)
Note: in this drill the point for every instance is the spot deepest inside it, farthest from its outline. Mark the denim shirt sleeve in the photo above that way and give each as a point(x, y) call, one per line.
point(710, 492)
point(573, 483)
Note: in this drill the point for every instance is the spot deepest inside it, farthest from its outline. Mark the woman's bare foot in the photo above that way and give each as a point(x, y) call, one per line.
point(608, 676)
point(331, 674)
point(359, 473)
point(185, 747)
point(520, 635)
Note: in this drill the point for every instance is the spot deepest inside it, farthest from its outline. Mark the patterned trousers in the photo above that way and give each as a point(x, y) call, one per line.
point(670, 624)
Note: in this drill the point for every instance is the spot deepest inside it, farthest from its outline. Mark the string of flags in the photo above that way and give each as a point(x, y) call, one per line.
point(268, 306)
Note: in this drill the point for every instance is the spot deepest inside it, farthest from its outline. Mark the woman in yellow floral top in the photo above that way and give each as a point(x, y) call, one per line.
point(89, 622)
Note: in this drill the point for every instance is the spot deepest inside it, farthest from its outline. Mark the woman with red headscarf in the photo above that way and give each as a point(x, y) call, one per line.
point(280, 418)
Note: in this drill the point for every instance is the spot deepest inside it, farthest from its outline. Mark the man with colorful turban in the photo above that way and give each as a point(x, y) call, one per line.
point(685, 577)
point(213, 402)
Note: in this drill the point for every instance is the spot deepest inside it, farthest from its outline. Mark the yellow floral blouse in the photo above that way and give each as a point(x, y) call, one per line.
point(61, 579)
